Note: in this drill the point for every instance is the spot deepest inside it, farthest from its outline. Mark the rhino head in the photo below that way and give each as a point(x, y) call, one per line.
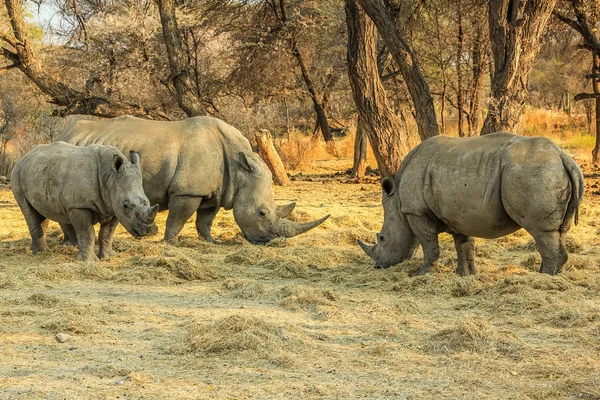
point(254, 208)
point(129, 202)
point(396, 242)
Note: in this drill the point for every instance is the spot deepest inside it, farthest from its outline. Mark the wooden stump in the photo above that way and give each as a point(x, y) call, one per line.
point(267, 152)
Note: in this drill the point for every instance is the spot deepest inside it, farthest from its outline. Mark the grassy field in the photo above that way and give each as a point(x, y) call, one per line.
point(306, 317)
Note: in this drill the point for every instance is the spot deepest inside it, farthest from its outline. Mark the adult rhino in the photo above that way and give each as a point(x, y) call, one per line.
point(486, 187)
point(199, 165)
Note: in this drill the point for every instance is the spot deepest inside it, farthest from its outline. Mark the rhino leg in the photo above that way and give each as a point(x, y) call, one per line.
point(69, 235)
point(425, 230)
point(552, 249)
point(83, 223)
point(181, 208)
point(105, 238)
point(204, 220)
point(465, 248)
point(37, 225)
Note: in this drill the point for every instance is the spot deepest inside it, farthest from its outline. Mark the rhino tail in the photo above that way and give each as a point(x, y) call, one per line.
point(577, 185)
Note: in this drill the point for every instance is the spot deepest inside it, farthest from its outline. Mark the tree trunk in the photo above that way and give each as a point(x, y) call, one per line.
point(515, 31)
point(360, 149)
point(178, 82)
point(596, 87)
point(478, 54)
point(409, 67)
point(267, 152)
point(387, 134)
point(459, 56)
point(73, 101)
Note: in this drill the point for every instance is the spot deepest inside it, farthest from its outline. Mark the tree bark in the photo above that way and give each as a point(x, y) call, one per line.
point(515, 28)
point(387, 134)
point(459, 82)
point(596, 87)
point(478, 54)
point(178, 82)
point(267, 152)
point(74, 101)
point(409, 67)
point(360, 149)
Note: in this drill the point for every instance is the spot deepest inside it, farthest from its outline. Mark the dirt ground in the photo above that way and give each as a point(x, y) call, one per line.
point(306, 317)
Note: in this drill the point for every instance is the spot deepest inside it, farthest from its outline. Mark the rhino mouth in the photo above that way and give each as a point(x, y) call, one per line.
point(143, 231)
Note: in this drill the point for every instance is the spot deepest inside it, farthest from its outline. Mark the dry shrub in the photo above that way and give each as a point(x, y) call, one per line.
point(76, 319)
point(244, 288)
point(572, 245)
point(465, 286)
point(236, 333)
point(43, 300)
point(569, 317)
point(473, 334)
point(106, 371)
point(172, 261)
point(248, 255)
point(532, 262)
point(537, 281)
point(580, 263)
point(296, 297)
point(296, 152)
point(286, 267)
point(56, 271)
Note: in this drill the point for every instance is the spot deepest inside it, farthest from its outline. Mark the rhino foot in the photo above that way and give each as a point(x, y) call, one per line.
point(423, 270)
point(41, 247)
point(172, 241)
point(86, 258)
point(105, 254)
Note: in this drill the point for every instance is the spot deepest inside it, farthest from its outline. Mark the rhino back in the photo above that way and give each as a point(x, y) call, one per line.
point(57, 177)
point(459, 181)
point(178, 157)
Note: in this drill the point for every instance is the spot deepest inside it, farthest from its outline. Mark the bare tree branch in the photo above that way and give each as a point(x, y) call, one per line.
point(73, 101)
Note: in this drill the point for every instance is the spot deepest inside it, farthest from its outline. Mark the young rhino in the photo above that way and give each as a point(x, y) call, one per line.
point(79, 187)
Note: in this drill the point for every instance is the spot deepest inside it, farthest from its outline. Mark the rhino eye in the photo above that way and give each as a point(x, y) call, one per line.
point(381, 238)
point(262, 213)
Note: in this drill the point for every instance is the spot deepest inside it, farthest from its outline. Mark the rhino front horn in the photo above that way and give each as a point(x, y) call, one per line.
point(368, 249)
point(290, 229)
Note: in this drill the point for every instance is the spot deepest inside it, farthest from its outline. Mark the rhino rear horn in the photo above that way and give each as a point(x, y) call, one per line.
point(289, 229)
point(368, 249)
point(285, 211)
point(152, 212)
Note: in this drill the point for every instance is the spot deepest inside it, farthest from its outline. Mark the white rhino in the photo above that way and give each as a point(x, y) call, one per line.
point(486, 187)
point(197, 165)
point(79, 187)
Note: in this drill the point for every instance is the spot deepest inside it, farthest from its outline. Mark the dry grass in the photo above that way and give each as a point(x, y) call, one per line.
point(237, 332)
point(306, 317)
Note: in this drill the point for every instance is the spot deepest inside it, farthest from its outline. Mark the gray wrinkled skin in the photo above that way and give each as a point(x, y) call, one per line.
point(197, 166)
point(484, 187)
point(79, 187)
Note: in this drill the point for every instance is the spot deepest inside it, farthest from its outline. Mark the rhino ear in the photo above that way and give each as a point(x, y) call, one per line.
point(117, 162)
point(389, 185)
point(249, 164)
point(134, 156)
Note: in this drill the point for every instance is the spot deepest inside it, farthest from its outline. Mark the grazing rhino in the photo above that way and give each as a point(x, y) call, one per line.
point(197, 165)
point(79, 187)
point(486, 187)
